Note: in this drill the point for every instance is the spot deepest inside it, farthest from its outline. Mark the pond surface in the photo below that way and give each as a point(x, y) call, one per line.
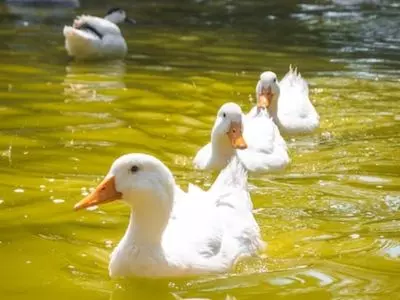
point(332, 219)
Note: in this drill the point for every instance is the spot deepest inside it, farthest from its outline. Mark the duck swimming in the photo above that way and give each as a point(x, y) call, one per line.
point(92, 38)
point(288, 102)
point(177, 233)
point(254, 138)
point(226, 137)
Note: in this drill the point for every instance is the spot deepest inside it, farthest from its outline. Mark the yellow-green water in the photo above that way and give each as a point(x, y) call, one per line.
point(332, 219)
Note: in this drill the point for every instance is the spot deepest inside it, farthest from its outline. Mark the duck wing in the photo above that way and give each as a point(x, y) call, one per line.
point(217, 226)
point(202, 160)
point(101, 26)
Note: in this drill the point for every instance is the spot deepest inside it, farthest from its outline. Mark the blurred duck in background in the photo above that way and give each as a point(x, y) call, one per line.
point(91, 38)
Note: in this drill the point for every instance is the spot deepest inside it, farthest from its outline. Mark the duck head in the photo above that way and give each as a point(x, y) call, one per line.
point(267, 90)
point(137, 179)
point(117, 15)
point(228, 126)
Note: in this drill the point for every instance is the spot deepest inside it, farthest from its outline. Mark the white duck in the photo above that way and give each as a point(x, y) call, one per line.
point(261, 147)
point(173, 233)
point(226, 137)
point(94, 38)
point(288, 102)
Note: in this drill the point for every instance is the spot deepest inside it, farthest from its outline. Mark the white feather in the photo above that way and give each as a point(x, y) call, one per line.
point(267, 150)
point(295, 113)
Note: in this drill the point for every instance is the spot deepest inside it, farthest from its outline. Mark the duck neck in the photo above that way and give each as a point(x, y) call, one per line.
point(221, 148)
point(148, 220)
point(273, 108)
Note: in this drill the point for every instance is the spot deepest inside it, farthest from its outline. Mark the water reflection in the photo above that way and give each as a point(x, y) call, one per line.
point(390, 248)
point(94, 82)
point(393, 202)
point(143, 289)
point(362, 34)
point(32, 11)
point(321, 280)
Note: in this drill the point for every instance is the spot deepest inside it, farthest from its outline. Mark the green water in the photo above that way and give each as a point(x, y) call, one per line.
point(332, 219)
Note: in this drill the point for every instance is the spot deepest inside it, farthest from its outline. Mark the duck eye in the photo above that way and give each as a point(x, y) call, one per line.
point(134, 169)
point(224, 115)
point(274, 79)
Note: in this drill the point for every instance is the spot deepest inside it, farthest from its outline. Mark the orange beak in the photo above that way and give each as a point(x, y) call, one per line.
point(264, 99)
point(235, 135)
point(104, 192)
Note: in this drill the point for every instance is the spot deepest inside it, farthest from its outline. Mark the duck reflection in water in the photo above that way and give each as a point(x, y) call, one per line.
point(93, 82)
point(161, 289)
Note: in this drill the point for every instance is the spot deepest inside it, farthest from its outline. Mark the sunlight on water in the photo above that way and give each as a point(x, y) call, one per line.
point(331, 220)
